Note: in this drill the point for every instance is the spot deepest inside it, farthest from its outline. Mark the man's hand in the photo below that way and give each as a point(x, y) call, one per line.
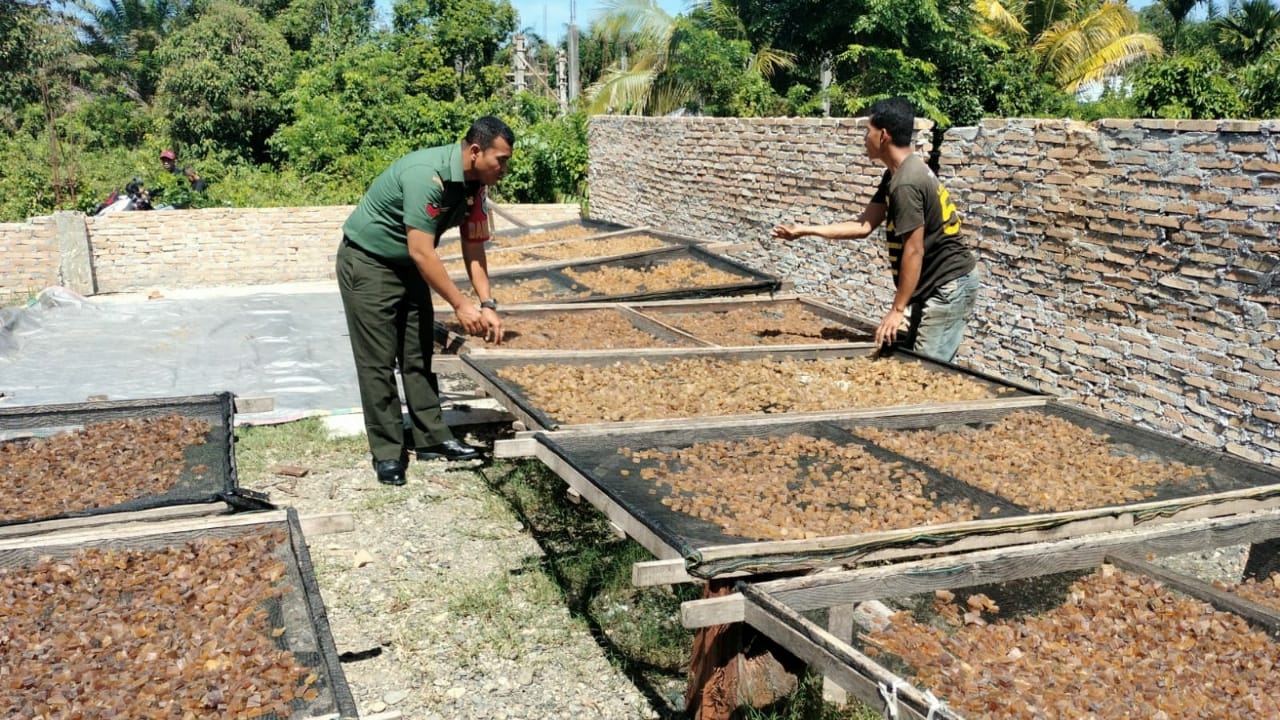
point(470, 319)
point(786, 232)
point(887, 333)
point(493, 325)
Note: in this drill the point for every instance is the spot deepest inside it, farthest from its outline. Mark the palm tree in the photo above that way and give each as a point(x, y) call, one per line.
point(1178, 10)
point(638, 82)
point(1076, 41)
point(1250, 31)
point(124, 35)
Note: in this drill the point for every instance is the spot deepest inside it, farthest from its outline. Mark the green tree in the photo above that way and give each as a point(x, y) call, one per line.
point(1186, 86)
point(468, 34)
point(324, 29)
point(1178, 11)
point(652, 74)
point(1074, 41)
point(1249, 31)
point(1260, 87)
point(222, 81)
point(125, 34)
point(550, 160)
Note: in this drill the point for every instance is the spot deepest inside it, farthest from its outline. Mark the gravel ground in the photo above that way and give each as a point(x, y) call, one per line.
point(439, 602)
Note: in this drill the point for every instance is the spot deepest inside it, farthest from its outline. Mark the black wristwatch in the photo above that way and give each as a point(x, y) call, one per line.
point(490, 303)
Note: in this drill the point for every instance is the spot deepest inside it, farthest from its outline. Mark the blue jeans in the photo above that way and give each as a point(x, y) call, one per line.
point(937, 323)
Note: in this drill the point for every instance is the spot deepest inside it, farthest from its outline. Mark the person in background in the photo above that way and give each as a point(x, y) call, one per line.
point(935, 273)
point(387, 266)
point(169, 160)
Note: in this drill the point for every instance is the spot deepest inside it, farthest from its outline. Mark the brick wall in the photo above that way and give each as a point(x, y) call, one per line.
point(1131, 265)
point(192, 248)
point(26, 249)
point(199, 248)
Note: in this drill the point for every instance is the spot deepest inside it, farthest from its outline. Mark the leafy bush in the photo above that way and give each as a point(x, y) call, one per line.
point(549, 163)
point(1186, 86)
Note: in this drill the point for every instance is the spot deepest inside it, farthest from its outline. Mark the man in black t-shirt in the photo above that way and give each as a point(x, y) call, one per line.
point(169, 161)
point(936, 275)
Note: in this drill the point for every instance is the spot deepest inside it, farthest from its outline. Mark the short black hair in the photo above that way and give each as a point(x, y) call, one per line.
point(896, 115)
point(487, 129)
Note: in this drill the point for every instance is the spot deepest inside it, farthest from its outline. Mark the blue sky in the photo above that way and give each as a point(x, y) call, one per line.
point(549, 18)
point(556, 13)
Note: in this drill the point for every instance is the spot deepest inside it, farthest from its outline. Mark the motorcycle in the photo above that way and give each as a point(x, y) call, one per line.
point(134, 197)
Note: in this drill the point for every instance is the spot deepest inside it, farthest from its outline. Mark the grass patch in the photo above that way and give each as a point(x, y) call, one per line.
point(305, 442)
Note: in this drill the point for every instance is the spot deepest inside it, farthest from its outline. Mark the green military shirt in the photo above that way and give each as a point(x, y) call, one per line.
point(425, 190)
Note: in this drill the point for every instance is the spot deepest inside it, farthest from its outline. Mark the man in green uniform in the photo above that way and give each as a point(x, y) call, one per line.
point(936, 275)
point(387, 266)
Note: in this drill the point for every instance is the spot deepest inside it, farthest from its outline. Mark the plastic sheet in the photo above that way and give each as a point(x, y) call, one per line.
point(290, 346)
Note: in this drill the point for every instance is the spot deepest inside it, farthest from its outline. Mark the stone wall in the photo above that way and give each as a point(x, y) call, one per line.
point(1131, 265)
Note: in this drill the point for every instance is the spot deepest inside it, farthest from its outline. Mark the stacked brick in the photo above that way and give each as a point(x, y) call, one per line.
point(26, 269)
point(1132, 264)
point(198, 248)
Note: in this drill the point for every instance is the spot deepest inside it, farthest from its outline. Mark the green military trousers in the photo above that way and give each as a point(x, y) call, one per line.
point(390, 322)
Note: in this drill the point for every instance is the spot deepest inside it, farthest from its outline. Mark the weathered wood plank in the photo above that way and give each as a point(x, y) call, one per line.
point(659, 572)
point(520, 447)
point(151, 515)
point(721, 610)
point(836, 660)
point(826, 590)
point(115, 531)
point(327, 523)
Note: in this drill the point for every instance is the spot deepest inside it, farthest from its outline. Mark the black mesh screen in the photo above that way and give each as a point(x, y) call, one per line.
point(208, 469)
point(596, 457)
point(299, 610)
point(566, 289)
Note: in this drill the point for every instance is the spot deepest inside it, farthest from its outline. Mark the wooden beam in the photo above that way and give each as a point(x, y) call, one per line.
point(659, 572)
point(327, 523)
point(824, 590)
point(153, 515)
point(136, 529)
point(721, 610)
point(515, 447)
point(836, 660)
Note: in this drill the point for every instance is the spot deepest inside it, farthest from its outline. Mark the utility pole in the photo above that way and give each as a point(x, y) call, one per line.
point(517, 62)
point(825, 73)
point(562, 91)
point(575, 83)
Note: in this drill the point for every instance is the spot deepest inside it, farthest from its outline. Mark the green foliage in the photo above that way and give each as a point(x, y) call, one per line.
point(107, 120)
point(549, 163)
point(468, 34)
point(1249, 31)
point(1017, 90)
point(1185, 86)
point(715, 74)
point(222, 79)
point(1260, 87)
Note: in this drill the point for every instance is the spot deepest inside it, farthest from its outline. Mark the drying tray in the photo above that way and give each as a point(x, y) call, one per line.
point(818, 617)
point(300, 610)
point(484, 369)
point(528, 235)
point(209, 469)
point(590, 462)
point(663, 321)
point(565, 289)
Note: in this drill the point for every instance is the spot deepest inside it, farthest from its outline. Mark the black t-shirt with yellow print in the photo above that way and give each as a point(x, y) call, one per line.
point(913, 197)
